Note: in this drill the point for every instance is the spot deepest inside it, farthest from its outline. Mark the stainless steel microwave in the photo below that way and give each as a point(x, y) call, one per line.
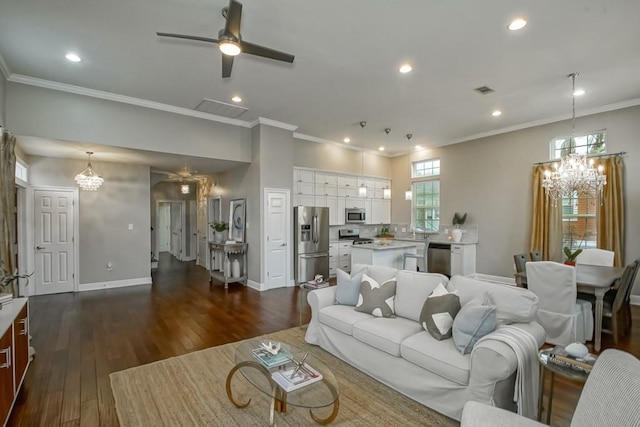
point(355, 216)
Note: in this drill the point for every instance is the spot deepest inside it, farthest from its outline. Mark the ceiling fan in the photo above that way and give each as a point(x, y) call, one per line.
point(230, 41)
point(184, 174)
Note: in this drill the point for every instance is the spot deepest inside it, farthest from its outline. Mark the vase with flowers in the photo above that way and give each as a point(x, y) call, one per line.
point(458, 220)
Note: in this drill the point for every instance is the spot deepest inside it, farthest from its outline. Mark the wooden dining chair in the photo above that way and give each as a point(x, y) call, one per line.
point(520, 261)
point(535, 256)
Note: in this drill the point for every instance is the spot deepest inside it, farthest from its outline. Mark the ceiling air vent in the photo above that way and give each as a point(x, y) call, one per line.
point(483, 90)
point(220, 108)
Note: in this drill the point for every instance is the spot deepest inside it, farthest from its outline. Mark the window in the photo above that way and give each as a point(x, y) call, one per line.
point(21, 171)
point(579, 211)
point(589, 144)
point(426, 195)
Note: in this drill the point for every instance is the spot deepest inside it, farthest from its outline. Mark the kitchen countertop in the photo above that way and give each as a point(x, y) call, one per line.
point(433, 240)
point(386, 246)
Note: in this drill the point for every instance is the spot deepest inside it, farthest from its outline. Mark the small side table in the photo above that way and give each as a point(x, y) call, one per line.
point(554, 368)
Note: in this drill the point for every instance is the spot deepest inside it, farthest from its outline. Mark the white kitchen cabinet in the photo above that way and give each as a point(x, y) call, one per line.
point(380, 186)
point(347, 192)
point(463, 259)
point(344, 255)
point(380, 211)
point(303, 188)
point(303, 200)
point(330, 202)
point(303, 175)
point(347, 181)
point(325, 190)
point(354, 202)
point(330, 179)
point(333, 258)
point(369, 183)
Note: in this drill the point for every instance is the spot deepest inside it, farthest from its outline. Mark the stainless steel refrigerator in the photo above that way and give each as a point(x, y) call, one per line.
point(311, 242)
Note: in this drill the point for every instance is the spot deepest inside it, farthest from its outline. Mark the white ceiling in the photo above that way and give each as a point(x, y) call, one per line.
point(347, 57)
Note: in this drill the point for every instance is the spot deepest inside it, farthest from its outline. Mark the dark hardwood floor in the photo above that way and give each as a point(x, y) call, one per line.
point(81, 338)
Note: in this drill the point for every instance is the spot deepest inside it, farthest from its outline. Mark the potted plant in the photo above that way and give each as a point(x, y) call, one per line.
point(458, 220)
point(219, 228)
point(571, 256)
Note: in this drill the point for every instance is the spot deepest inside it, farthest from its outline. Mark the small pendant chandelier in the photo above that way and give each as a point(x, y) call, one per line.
point(575, 175)
point(88, 179)
point(408, 195)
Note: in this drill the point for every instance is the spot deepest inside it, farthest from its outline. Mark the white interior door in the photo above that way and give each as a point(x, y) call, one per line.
point(164, 227)
point(277, 238)
point(54, 241)
point(193, 229)
point(176, 230)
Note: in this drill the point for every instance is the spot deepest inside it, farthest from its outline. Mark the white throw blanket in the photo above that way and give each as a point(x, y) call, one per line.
point(527, 383)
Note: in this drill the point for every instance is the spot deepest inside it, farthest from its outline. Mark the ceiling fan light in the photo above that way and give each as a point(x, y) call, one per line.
point(229, 47)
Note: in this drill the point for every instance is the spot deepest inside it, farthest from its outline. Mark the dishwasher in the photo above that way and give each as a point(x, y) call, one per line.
point(439, 258)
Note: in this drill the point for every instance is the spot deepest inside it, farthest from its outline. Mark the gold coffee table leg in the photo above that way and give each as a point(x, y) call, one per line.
point(334, 413)
point(250, 364)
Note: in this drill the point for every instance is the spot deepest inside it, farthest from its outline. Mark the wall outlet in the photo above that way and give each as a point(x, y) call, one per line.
point(130, 226)
point(109, 265)
point(395, 229)
point(446, 231)
point(375, 229)
point(404, 230)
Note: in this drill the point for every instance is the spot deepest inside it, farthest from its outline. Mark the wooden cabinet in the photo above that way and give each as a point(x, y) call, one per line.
point(463, 259)
point(303, 175)
point(344, 255)
point(14, 352)
point(330, 202)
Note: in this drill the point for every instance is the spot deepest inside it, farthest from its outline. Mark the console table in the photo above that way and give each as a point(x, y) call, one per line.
point(225, 254)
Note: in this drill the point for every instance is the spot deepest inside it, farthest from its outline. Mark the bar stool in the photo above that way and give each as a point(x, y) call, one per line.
point(423, 257)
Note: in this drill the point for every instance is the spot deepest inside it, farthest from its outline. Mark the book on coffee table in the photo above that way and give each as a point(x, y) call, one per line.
point(302, 377)
point(270, 360)
point(560, 356)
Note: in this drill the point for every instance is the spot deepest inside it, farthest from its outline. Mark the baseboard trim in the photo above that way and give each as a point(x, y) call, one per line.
point(114, 284)
point(255, 285)
point(635, 300)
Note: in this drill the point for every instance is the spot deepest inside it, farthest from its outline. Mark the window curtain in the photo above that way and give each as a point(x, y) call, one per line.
point(7, 203)
point(610, 223)
point(546, 221)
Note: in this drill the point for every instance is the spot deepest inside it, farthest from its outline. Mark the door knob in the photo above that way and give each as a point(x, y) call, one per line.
point(40, 248)
point(284, 244)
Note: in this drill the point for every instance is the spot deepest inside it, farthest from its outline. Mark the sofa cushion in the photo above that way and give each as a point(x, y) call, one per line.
point(376, 298)
point(341, 317)
point(513, 304)
point(348, 286)
point(438, 313)
point(412, 290)
point(475, 319)
point(379, 273)
point(439, 357)
point(385, 334)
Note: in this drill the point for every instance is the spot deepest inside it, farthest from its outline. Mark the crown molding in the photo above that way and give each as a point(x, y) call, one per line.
point(310, 138)
point(273, 123)
point(79, 90)
point(4, 68)
point(583, 113)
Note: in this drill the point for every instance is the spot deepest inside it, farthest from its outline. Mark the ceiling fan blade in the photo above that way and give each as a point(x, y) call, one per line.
point(254, 49)
point(234, 15)
point(227, 63)
point(184, 36)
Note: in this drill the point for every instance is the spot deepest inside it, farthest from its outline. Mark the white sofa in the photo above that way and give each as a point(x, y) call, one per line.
point(401, 354)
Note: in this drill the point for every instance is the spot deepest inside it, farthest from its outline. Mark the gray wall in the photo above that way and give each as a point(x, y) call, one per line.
point(332, 157)
point(53, 114)
point(105, 214)
point(490, 178)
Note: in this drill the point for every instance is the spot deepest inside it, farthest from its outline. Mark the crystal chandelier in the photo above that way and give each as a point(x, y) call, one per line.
point(575, 175)
point(88, 179)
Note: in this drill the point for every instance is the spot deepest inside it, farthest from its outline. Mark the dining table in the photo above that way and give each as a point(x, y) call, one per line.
point(596, 280)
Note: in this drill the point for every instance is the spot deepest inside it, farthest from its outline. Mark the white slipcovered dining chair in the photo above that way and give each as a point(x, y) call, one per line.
point(564, 318)
point(594, 256)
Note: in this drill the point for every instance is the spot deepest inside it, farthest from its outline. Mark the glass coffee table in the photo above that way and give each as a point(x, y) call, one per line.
point(317, 395)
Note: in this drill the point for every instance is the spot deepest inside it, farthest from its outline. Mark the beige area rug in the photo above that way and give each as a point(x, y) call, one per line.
point(189, 390)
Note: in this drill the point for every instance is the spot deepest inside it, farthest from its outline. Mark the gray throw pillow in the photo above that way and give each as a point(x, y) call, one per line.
point(377, 298)
point(348, 287)
point(475, 319)
point(438, 313)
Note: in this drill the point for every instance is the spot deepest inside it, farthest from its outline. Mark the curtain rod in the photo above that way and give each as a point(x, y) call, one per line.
point(620, 153)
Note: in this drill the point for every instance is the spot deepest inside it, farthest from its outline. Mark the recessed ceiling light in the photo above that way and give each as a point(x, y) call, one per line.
point(517, 24)
point(579, 92)
point(418, 147)
point(73, 57)
point(496, 113)
point(236, 99)
point(347, 140)
point(381, 148)
point(405, 68)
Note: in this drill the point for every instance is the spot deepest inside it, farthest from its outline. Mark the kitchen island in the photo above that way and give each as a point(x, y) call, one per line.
point(384, 254)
